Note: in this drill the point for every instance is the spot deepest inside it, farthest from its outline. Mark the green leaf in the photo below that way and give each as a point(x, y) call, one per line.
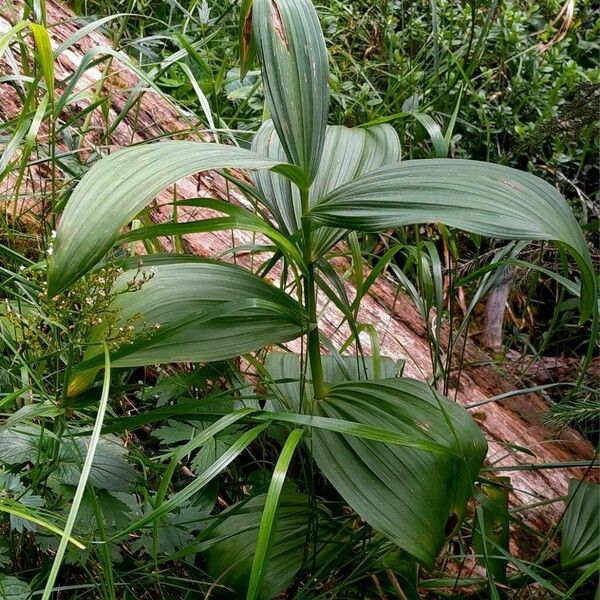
point(347, 154)
point(481, 198)
point(45, 55)
point(295, 68)
point(230, 555)
point(118, 187)
point(43, 46)
point(12, 588)
point(434, 131)
point(236, 217)
point(23, 513)
point(182, 496)
point(268, 522)
point(109, 471)
point(415, 497)
point(580, 542)
point(492, 523)
point(192, 310)
point(19, 445)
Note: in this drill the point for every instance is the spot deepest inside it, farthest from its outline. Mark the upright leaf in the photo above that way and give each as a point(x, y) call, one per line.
point(295, 69)
point(245, 37)
point(492, 528)
point(347, 155)
point(482, 198)
point(268, 522)
point(45, 56)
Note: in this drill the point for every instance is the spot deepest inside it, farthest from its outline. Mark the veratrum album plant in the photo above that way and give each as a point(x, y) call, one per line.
point(403, 456)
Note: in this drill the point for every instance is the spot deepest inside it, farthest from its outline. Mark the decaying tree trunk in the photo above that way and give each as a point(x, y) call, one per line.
point(508, 424)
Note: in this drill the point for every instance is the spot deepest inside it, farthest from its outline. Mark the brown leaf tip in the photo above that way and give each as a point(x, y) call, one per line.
point(278, 23)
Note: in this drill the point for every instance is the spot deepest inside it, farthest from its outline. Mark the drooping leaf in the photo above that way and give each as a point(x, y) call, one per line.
point(293, 56)
point(415, 497)
point(192, 310)
point(581, 525)
point(347, 155)
point(236, 217)
point(116, 188)
point(481, 198)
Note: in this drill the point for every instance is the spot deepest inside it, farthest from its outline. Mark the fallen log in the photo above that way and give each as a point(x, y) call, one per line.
point(510, 424)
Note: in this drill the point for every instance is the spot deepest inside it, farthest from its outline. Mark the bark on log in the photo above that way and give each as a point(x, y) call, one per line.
point(511, 423)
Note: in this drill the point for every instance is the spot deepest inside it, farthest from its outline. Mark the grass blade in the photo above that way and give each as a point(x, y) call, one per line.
point(85, 473)
point(268, 522)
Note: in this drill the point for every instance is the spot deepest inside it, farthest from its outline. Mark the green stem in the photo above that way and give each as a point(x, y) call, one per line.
point(310, 301)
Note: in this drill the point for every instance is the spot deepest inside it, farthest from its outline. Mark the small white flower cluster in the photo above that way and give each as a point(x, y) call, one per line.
point(52, 237)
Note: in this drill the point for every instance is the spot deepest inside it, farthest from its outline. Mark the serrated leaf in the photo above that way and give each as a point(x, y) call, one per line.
point(174, 432)
point(115, 512)
point(481, 198)
point(29, 500)
point(110, 469)
point(295, 70)
point(210, 452)
point(19, 445)
point(12, 588)
point(12, 486)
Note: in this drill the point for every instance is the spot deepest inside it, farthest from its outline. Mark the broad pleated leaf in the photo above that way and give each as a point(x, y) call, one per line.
point(229, 556)
point(295, 71)
point(482, 198)
point(116, 188)
point(347, 154)
point(414, 497)
point(581, 525)
point(192, 310)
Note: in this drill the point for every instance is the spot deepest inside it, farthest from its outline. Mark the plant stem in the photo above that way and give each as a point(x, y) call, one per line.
point(310, 301)
point(314, 346)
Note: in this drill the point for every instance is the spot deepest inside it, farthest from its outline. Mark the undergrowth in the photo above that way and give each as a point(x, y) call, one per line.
point(493, 81)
